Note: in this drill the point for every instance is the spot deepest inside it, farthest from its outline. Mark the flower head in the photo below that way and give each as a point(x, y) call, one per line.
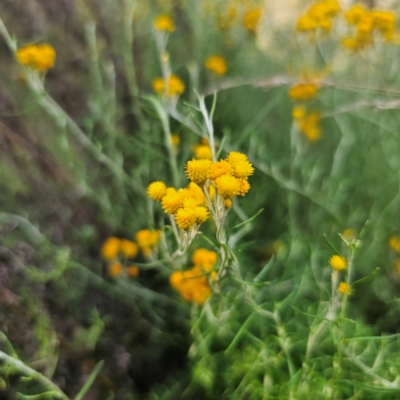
point(129, 249)
point(244, 187)
point(164, 23)
point(198, 171)
point(394, 243)
point(186, 217)
point(243, 169)
point(132, 271)
point(228, 186)
point(146, 238)
point(110, 248)
point(220, 168)
point(251, 19)
point(204, 258)
point(303, 91)
point(172, 202)
point(338, 263)
point(234, 157)
point(39, 57)
point(344, 288)
point(202, 151)
point(115, 269)
point(157, 190)
point(216, 64)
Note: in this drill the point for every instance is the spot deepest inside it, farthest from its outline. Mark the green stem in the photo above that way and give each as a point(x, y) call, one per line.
point(31, 373)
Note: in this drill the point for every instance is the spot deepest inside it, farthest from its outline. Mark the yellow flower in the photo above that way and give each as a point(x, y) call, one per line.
point(129, 249)
point(196, 193)
point(38, 57)
point(204, 258)
point(175, 139)
point(355, 14)
point(110, 248)
point(344, 288)
point(198, 171)
point(172, 202)
point(338, 263)
point(216, 64)
point(202, 151)
point(192, 285)
point(147, 238)
point(243, 169)
point(394, 243)
point(251, 19)
point(228, 186)
point(299, 112)
point(157, 190)
point(201, 214)
point(385, 23)
point(115, 270)
point(186, 218)
point(175, 86)
point(303, 91)
point(164, 23)
point(158, 85)
point(244, 187)
point(349, 234)
point(228, 203)
point(306, 24)
point(132, 271)
point(309, 125)
point(234, 157)
point(220, 168)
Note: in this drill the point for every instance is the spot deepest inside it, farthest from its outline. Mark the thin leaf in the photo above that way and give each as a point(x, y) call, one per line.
point(266, 268)
point(248, 220)
point(90, 380)
point(369, 276)
point(331, 245)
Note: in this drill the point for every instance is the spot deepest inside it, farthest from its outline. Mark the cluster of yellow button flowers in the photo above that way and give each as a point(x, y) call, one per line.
point(193, 284)
point(217, 181)
point(174, 86)
point(368, 24)
point(318, 16)
point(39, 57)
point(119, 253)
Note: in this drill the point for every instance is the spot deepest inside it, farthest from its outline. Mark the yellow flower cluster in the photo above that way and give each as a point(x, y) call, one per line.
point(251, 19)
point(164, 23)
point(319, 15)
point(175, 86)
point(187, 205)
point(38, 57)
point(216, 64)
point(368, 24)
point(111, 251)
point(228, 177)
point(308, 123)
point(193, 284)
point(202, 150)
